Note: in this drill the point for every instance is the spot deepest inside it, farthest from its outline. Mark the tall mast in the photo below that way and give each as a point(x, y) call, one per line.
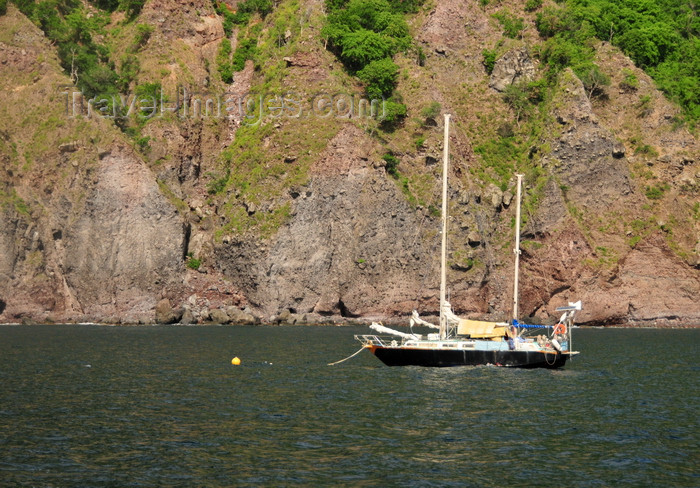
point(443, 258)
point(516, 250)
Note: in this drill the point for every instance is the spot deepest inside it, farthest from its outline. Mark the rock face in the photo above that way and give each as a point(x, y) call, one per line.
point(219, 316)
point(651, 294)
point(165, 314)
point(93, 229)
point(194, 22)
point(188, 317)
point(632, 291)
point(513, 67)
point(586, 158)
point(86, 233)
point(352, 248)
point(128, 243)
point(642, 285)
point(9, 237)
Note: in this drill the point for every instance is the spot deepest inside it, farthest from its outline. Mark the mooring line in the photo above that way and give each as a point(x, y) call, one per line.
point(351, 356)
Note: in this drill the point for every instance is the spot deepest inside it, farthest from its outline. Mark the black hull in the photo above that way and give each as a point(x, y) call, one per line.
point(397, 356)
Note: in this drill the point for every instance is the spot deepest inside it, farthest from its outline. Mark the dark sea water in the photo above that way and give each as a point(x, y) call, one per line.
point(92, 406)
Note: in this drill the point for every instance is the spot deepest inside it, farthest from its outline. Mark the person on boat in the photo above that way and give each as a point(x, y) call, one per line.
point(511, 335)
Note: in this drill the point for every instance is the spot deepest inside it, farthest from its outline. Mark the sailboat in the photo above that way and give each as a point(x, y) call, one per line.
point(464, 342)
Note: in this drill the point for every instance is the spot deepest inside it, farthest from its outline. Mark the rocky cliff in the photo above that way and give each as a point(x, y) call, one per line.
point(297, 216)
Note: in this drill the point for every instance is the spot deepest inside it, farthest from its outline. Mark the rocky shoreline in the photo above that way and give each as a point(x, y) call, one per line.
point(185, 315)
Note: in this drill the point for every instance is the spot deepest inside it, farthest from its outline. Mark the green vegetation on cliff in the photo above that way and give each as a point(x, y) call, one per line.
point(85, 44)
point(243, 12)
point(67, 24)
point(365, 35)
point(74, 28)
point(661, 37)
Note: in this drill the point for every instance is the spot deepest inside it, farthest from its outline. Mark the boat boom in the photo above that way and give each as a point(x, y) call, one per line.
point(386, 330)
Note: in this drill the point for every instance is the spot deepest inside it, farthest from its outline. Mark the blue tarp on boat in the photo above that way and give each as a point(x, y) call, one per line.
point(528, 326)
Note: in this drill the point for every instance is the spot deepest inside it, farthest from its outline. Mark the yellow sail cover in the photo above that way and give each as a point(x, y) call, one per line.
point(480, 329)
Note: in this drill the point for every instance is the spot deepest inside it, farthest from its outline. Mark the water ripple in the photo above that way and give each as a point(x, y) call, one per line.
point(163, 406)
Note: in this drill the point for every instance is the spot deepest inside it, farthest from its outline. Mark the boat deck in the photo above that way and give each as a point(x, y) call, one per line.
point(452, 344)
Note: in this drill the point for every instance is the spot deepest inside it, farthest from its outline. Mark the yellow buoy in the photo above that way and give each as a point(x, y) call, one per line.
point(236, 361)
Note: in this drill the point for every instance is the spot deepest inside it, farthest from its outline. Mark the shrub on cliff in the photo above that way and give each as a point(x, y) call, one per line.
point(223, 61)
point(244, 10)
point(365, 35)
point(380, 77)
point(246, 49)
point(512, 24)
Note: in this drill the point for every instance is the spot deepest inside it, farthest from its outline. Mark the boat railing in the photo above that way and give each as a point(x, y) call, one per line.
point(374, 340)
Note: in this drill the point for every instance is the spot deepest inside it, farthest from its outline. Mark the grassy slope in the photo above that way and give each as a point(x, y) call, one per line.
point(35, 123)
